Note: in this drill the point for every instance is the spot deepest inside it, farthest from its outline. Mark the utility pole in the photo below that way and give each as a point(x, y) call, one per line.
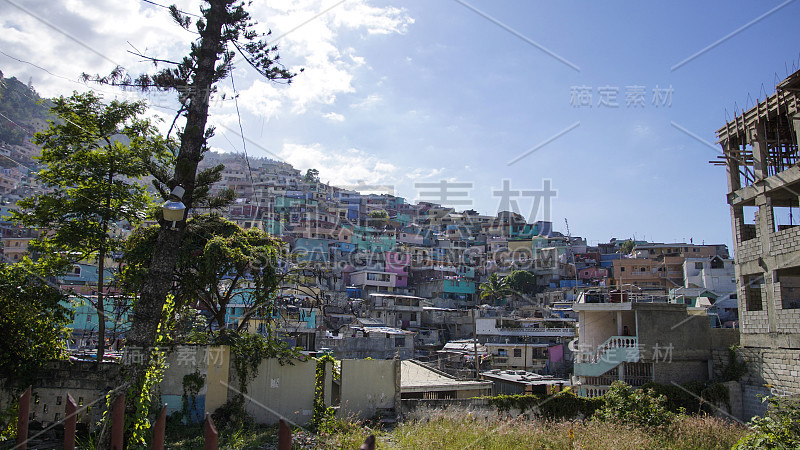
point(475, 341)
point(574, 263)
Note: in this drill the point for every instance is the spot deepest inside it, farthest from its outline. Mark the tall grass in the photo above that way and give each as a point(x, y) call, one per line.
point(455, 428)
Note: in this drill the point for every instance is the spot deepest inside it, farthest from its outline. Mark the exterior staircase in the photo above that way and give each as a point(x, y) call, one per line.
point(608, 355)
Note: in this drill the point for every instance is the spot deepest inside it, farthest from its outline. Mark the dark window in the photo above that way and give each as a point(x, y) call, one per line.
point(517, 352)
point(753, 292)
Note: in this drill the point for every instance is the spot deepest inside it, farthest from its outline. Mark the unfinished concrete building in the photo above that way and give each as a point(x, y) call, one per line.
point(760, 153)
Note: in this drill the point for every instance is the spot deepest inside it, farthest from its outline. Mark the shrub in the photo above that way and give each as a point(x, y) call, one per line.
point(640, 407)
point(779, 428)
point(567, 405)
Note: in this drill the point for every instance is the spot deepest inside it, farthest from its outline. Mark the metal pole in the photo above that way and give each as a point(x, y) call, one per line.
point(70, 421)
point(475, 341)
point(117, 422)
point(22, 419)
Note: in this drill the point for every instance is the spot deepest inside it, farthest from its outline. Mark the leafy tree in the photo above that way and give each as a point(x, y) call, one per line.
point(312, 176)
point(32, 318)
point(219, 264)
point(224, 28)
point(92, 156)
point(494, 288)
point(627, 246)
point(378, 214)
point(521, 282)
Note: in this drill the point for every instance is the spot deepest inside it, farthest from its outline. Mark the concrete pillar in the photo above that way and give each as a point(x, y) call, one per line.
point(621, 372)
point(760, 155)
point(796, 125)
point(732, 166)
point(217, 378)
point(619, 323)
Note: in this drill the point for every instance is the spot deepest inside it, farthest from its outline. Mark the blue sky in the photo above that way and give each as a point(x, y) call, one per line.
point(401, 93)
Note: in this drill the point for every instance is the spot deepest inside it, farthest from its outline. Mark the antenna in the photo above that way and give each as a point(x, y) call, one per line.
point(574, 262)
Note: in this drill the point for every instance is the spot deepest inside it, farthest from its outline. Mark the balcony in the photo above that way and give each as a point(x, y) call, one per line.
point(608, 355)
point(530, 331)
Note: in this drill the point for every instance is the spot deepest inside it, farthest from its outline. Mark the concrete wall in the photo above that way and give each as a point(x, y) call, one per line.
point(602, 325)
point(281, 392)
point(367, 386)
point(664, 326)
point(82, 380)
point(182, 361)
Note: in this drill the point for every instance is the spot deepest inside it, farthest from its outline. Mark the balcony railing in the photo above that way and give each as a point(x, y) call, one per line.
point(529, 331)
point(611, 346)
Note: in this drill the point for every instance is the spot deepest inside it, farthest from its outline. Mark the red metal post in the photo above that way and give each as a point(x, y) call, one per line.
point(210, 434)
point(158, 429)
point(22, 419)
point(117, 422)
point(70, 420)
point(284, 436)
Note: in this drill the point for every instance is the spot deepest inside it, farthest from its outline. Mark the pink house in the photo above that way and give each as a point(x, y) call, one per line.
point(398, 263)
point(593, 273)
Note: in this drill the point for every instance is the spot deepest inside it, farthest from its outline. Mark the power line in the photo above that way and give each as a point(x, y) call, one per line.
point(167, 7)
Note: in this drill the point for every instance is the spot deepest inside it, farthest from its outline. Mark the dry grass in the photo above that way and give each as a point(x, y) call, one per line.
point(460, 429)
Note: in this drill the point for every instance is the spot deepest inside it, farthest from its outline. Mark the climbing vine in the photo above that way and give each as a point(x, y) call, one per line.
point(145, 400)
point(322, 413)
point(192, 384)
point(735, 369)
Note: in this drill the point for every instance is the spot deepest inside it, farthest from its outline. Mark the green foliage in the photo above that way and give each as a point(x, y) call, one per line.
point(142, 395)
point(505, 403)
point(217, 260)
point(32, 319)
point(192, 385)
point(21, 104)
point(567, 405)
point(90, 157)
point(312, 176)
point(8, 421)
point(563, 405)
point(322, 418)
point(232, 414)
point(494, 288)
point(677, 398)
point(778, 429)
point(735, 369)
point(636, 407)
point(378, 214)
point(521, 282)
point(693, 397)
point(627, 247)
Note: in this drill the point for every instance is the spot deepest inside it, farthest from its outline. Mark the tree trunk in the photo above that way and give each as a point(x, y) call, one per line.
point(147, 311)
point(101, 313)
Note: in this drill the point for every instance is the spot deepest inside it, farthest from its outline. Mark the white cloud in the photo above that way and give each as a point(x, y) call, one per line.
point(348, 167)
point(369, 102)
point(310, 41)
point(334, 117)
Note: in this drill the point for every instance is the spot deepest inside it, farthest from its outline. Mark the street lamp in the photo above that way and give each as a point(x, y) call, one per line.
point(173, 209)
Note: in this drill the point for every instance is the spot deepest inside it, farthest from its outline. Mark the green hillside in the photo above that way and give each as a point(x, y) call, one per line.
point(20, 103)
